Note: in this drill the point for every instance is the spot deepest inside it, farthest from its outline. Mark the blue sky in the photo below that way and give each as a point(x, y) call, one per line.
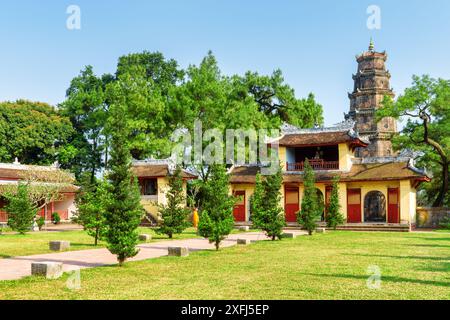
point(313, 42)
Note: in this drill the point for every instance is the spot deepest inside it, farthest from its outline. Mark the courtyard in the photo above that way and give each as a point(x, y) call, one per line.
point(334, 265)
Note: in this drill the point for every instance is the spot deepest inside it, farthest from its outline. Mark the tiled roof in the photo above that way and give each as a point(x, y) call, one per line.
point(39, 173)
point(339, 133)
point(319, 138)
point(156, 170)
point(11, 174)
point(359, 172)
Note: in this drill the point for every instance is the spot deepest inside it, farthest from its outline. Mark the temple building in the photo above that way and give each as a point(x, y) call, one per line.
point(153, 178)
point(377, 188)
point(44, 178)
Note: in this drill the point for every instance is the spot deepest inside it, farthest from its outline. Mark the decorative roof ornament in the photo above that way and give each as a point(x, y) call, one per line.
point(371, 45)
point(286, 128)
point(341, 126)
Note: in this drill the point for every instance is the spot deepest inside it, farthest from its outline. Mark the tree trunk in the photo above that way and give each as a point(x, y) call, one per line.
point(96, 237)
point(439, 202)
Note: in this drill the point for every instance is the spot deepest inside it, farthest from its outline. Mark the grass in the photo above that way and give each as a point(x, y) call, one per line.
point(37, 242)
point(12, 244)
point(325, 266)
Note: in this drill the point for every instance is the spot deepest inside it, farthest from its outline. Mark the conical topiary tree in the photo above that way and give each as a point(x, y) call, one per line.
point(267, 214)
point(310, 210)
point(216, 218)
point(123, 211)
point(174, 214)
point(91, 201)
point(21, 211)
point(334, 215)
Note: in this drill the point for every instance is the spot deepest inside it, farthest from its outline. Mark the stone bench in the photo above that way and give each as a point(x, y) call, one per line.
point(289, 235)
point(244, 228)
point(320, 230)
point(59, 245)
point(50, 270)
point(243, 241)
point(145, 237)
point(178, 251)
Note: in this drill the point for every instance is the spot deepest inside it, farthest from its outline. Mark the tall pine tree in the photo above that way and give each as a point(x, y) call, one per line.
point(334, 214)
point(20, 209)
point(91, 201)
point(216, 219)
point(311, 208)
point(267, 213)
point(174, 214)
point(123, 210)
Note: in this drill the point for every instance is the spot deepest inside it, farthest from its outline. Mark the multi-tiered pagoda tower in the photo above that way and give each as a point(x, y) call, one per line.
point(371, 85)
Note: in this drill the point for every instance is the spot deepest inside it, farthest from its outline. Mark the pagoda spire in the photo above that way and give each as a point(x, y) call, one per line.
point(371, 84)
point(371, 45)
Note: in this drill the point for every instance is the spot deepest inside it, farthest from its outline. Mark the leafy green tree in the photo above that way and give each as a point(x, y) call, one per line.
point(267, 213)
point(32, 132)
point(145, 115)
point(174, 214)
point(216, 218)
point(153, 81)
point(236, 102)
point(164, 73)
point(275, 98)
point(20, 209)
point(86, 106)
point(91, 209)
point(334, 214)
point(123, 209)
point(426, 106)
point(311, 209)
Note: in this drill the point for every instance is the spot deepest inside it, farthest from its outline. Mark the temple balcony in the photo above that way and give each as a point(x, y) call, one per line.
point(316, 164)
point(319, 158)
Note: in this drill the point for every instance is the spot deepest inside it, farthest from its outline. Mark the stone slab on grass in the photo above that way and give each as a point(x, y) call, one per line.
point(289, 235)
point(145, 237)
point(59, 245)
point(178, 251)
point(50, 270)
point(243, 241)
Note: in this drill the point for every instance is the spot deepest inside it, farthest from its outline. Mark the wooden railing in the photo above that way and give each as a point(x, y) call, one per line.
point(316, 164)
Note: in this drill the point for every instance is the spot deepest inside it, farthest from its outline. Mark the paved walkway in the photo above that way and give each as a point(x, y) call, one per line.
point(19, 267)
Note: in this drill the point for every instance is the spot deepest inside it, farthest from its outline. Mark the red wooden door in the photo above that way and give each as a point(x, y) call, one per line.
point(393, 207)
point(291, 205)
point(239, 207)
point(354, 205)
point(3, 214)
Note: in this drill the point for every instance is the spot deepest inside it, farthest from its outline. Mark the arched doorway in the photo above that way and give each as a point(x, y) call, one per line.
point(375, 207)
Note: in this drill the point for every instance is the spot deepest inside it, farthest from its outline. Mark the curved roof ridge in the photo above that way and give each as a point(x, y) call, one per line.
point(346, 125)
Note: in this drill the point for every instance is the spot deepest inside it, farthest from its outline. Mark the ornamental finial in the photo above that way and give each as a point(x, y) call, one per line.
point(371, 45)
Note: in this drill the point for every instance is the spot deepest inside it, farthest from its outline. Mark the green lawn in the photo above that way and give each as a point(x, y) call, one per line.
point(325, 266)
point(37, 242)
